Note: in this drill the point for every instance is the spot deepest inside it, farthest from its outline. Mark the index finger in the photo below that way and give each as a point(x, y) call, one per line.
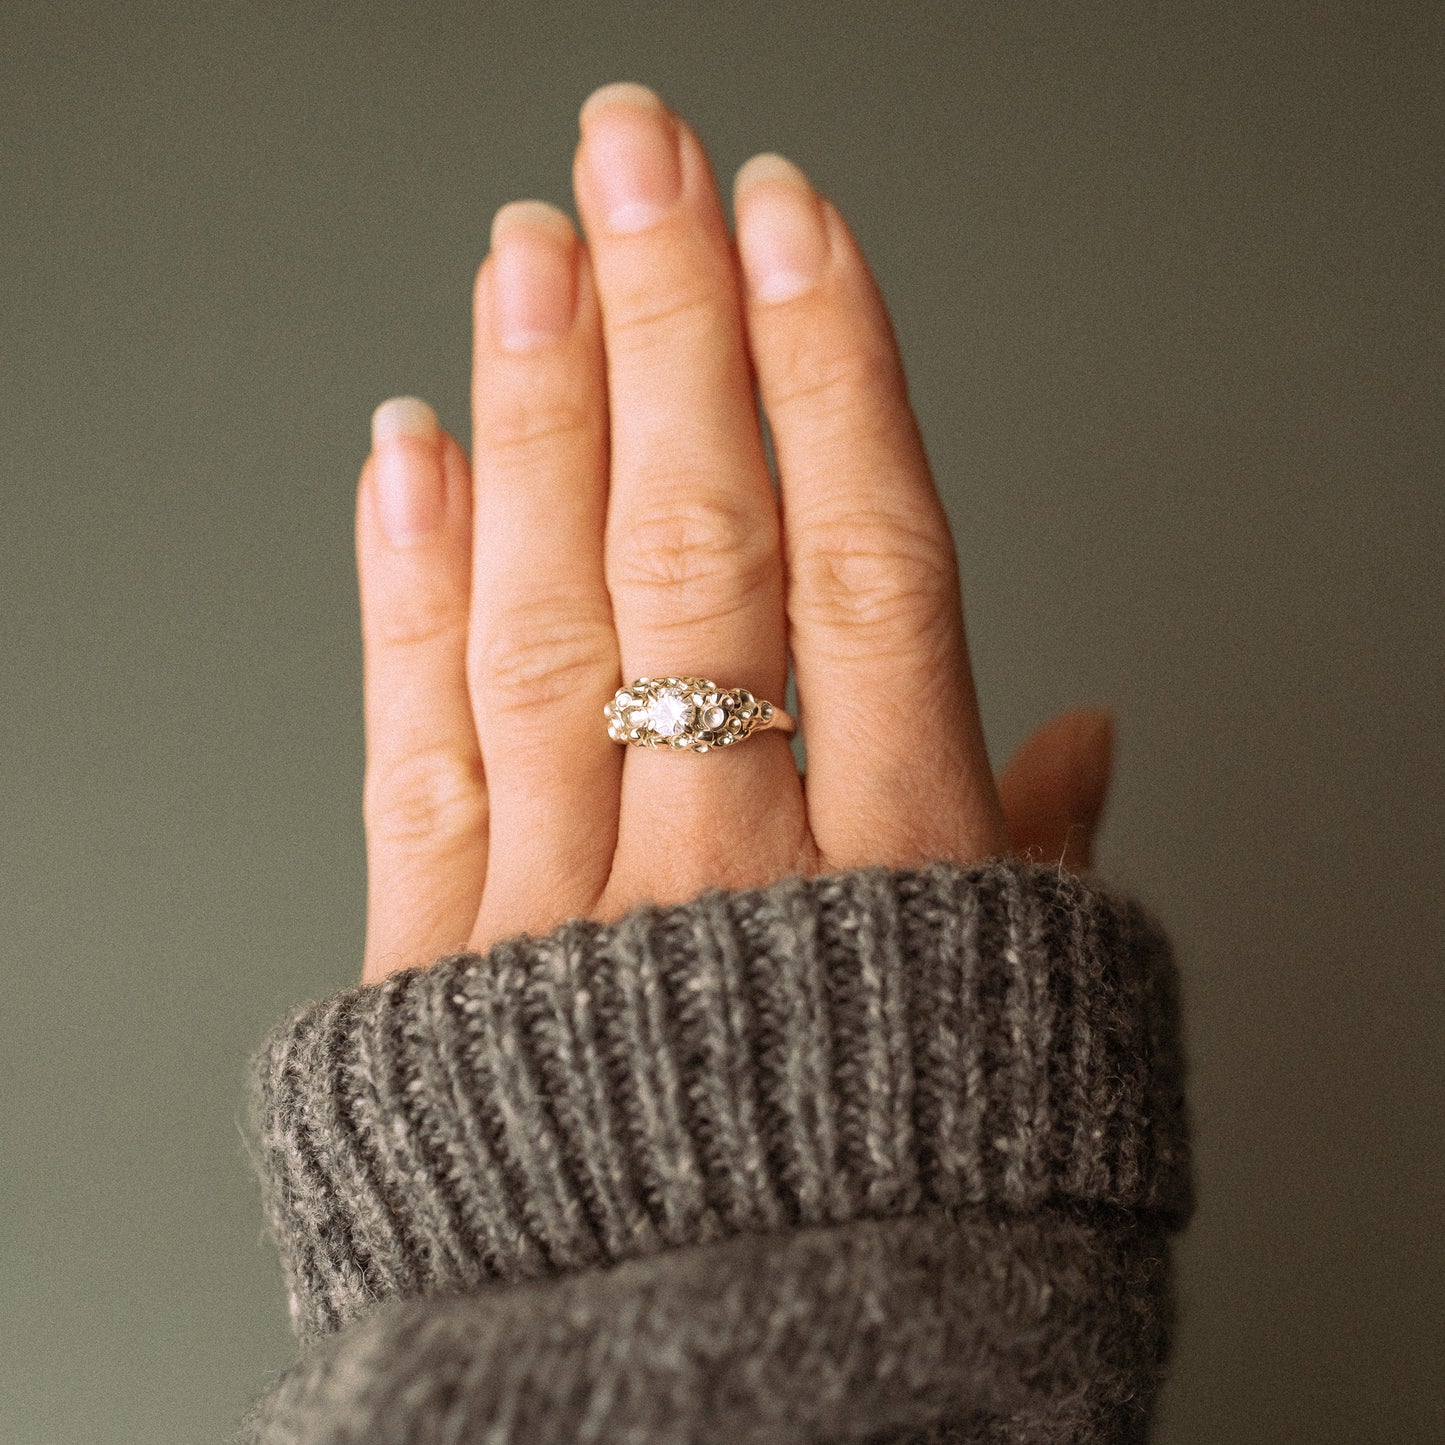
point(897, 765)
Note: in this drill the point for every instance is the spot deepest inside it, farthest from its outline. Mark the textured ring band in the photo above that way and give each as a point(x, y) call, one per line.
point(688, 713)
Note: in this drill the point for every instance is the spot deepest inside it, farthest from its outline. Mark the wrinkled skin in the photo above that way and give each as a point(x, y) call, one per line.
point(617, 519)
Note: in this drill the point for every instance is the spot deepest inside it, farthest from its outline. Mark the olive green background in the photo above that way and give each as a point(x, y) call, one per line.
point(1166, 280)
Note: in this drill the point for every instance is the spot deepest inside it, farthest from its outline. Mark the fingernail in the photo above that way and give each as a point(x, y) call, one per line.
point(410, 487)
point(631, 155)
point(534, 275)
point(781, 236)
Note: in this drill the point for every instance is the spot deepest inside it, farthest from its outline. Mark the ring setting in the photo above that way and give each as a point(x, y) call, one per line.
point(688, 714)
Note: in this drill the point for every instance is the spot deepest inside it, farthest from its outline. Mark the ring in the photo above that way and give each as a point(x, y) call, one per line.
point(688, 713)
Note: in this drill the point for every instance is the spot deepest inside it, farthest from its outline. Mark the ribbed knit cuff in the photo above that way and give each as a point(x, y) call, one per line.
point(866, 1044)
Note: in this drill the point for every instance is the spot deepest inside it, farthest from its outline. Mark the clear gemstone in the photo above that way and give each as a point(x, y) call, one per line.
point(669, 713)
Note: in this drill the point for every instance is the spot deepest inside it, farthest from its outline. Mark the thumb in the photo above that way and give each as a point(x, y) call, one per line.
point(1054, 787)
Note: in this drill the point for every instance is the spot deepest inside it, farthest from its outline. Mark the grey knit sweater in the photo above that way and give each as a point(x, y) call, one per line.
point(885, 1156)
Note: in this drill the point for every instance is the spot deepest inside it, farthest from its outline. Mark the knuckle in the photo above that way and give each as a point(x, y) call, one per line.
point(527, 423)
point(700, 558)
point(836, 382)
point(427, 797)
point(419, 618)
point(539, 655)
point(684, 310)
point(862, 577)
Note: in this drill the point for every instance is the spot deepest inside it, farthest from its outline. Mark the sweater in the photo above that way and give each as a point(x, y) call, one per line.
point(888, 1156)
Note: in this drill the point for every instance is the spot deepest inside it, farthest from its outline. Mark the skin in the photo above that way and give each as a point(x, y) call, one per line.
point(617, 520)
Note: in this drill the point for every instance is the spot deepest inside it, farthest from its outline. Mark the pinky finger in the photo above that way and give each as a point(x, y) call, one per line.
point(424, 799)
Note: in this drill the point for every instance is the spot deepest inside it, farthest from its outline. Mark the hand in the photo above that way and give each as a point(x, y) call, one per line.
point(618, 520)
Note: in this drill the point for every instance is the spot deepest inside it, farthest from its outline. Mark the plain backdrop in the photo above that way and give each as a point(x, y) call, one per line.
point(1166, 279)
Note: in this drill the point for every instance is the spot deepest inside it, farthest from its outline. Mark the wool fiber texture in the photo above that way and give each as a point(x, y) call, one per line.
point(885, 1156)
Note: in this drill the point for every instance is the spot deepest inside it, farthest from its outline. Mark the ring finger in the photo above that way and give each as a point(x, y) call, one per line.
point(542, 649)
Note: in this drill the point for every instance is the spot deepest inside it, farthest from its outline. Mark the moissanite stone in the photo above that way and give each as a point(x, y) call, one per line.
point(669, 713)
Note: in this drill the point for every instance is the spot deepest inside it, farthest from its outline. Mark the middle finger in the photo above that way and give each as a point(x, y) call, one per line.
point(693, 559)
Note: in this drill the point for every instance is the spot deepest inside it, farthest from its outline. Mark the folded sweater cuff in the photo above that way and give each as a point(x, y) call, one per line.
point(947, 1325)
point(860, 1045)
